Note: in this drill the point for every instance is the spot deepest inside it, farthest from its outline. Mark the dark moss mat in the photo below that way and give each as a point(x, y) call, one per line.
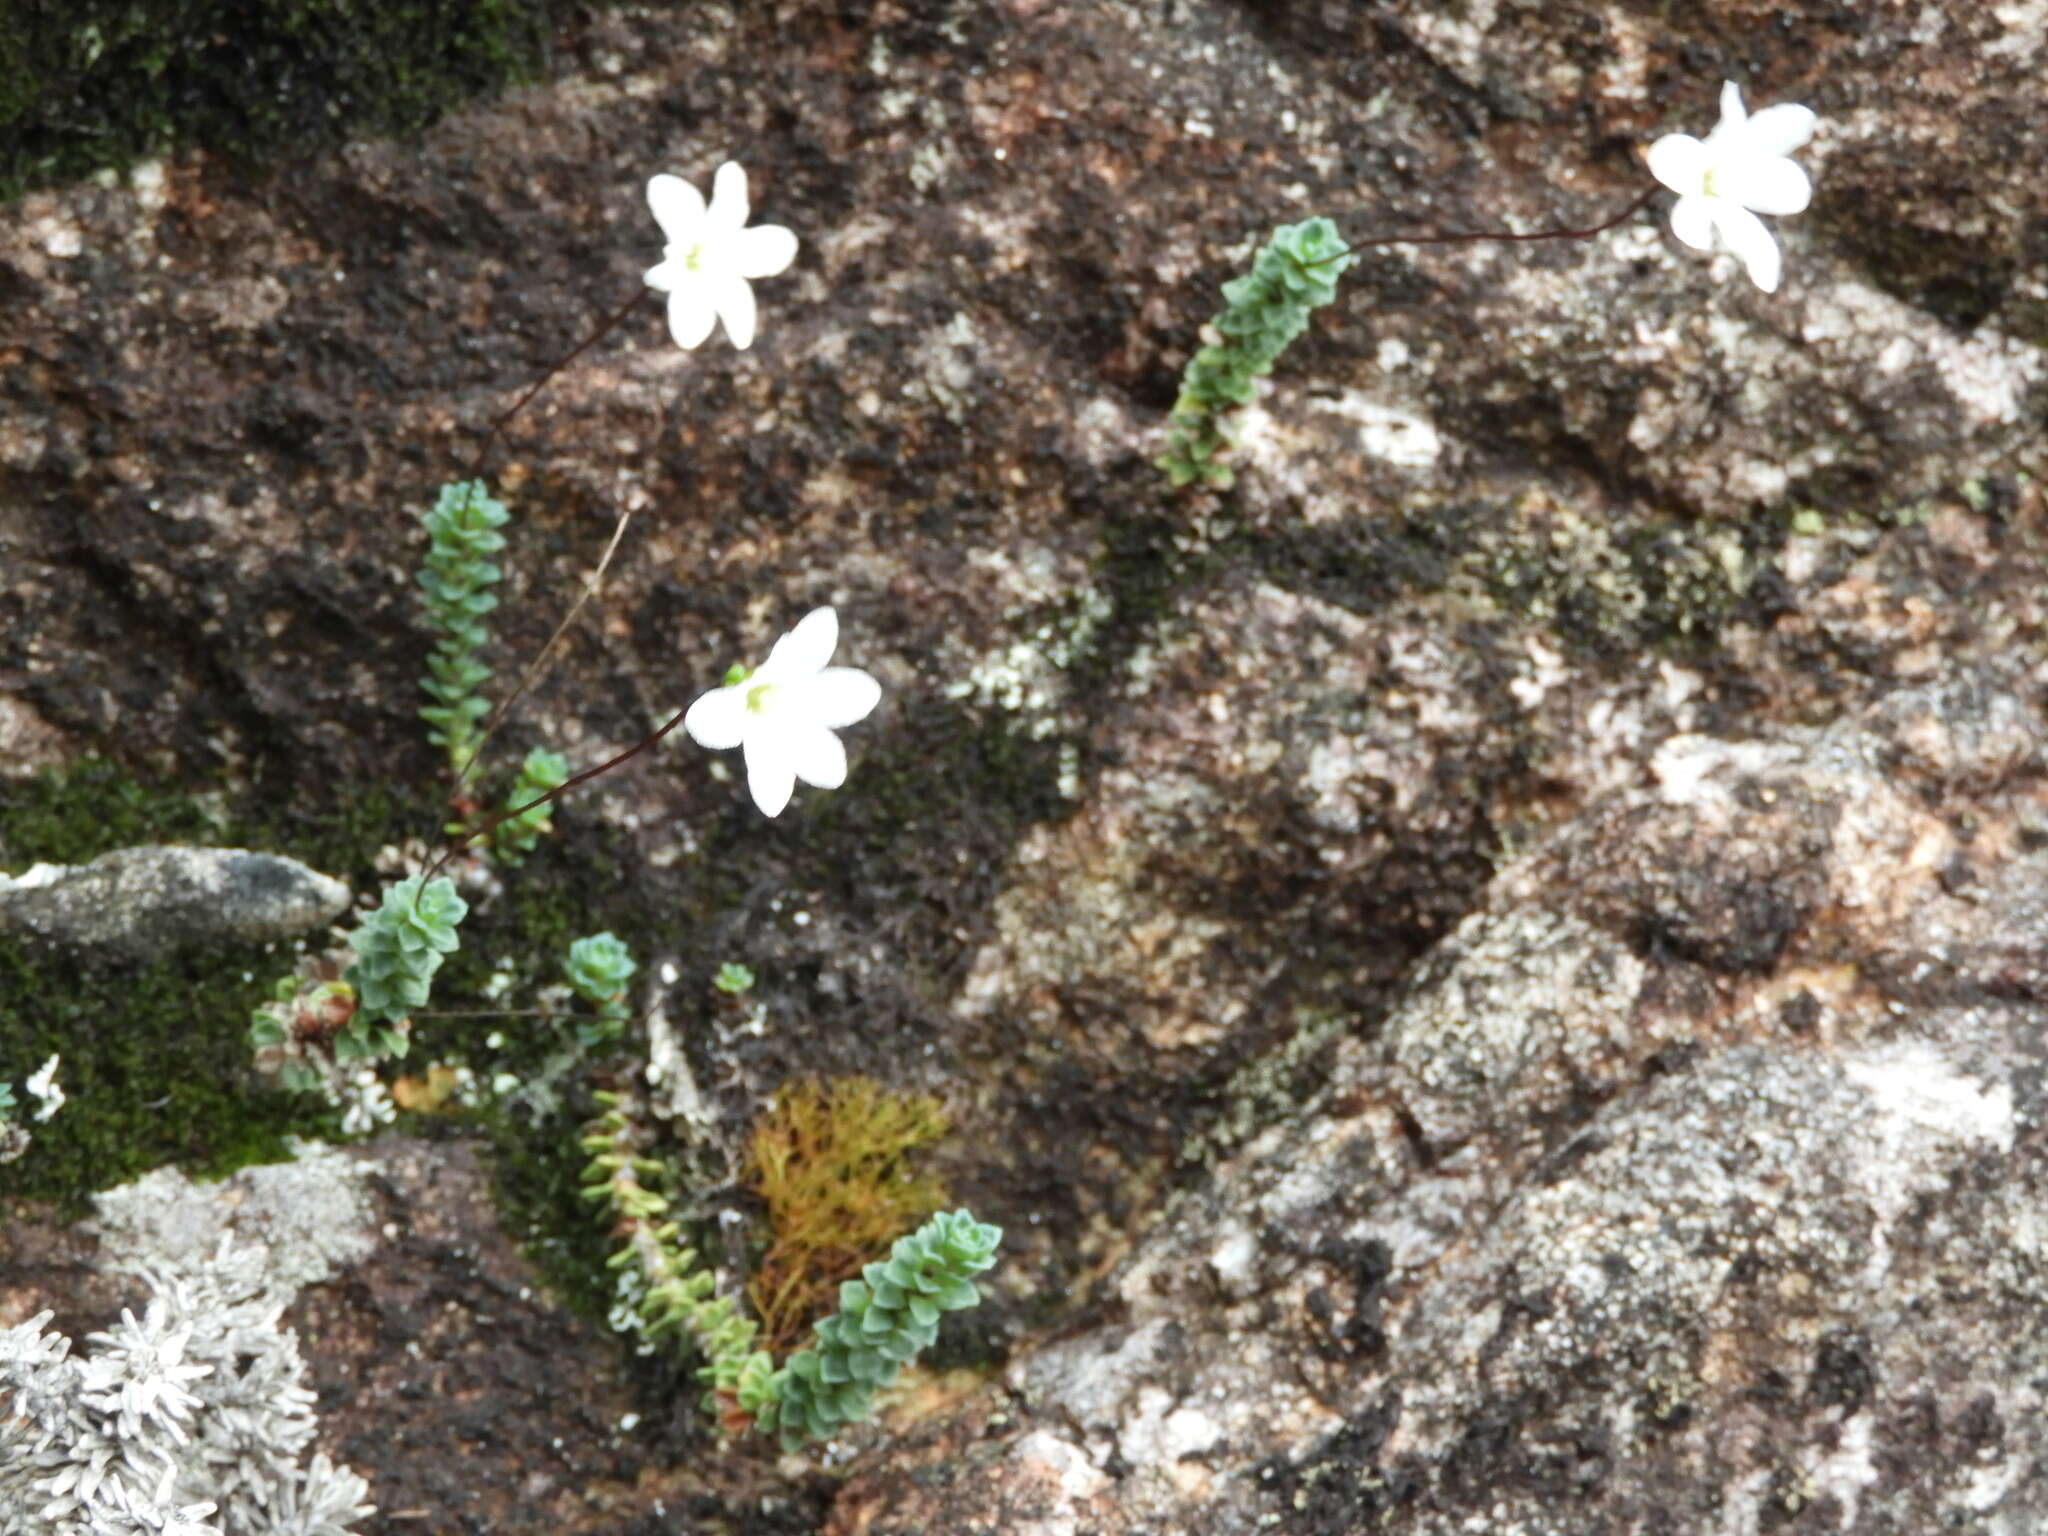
point(91, 84)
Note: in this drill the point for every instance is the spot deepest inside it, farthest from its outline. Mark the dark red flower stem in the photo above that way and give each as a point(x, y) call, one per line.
point(616, 319)
point(1493, 234)
point(556, 793)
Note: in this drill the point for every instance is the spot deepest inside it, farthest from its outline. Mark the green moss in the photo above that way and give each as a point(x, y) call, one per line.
point(156, 1068)
point(830, 1162)
point(156, 1062)
point(71, 815)
point(1609, 590)
point(93, 84)
point(539, 1181)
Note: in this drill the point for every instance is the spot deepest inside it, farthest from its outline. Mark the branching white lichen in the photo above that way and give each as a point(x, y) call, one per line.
point(191, 1420)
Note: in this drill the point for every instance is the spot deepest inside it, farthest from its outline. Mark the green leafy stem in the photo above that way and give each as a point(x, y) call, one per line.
point(1294, 274)
point(455, 585)
point(527, 814)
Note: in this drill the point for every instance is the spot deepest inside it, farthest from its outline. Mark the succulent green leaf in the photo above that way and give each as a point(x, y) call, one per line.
point(517, 836)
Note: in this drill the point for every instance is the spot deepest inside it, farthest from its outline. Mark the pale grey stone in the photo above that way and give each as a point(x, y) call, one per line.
point(138, 903)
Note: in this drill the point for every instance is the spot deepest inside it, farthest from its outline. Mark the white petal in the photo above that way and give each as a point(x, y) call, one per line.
point(1746, 236)
point(1732, 113)
point(678, 208)
point(1778, 130)
point(735, 303)
point(762, 251)
point(718, 720)
point(771, 771)
point(691, 314)
point(817, 757)
point(836, 697)
point(1680, 161)
point(804, 651)
point(1692, 220)
point(1773, 186)
point(663, 276)
point(728, 199)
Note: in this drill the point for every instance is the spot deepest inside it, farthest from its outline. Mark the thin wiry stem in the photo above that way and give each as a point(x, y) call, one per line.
point(534, 668)
point(617, 317)
point(1493, 234)
point(556, 793)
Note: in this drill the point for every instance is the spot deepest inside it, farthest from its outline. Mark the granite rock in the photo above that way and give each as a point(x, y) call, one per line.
point(1491, 974)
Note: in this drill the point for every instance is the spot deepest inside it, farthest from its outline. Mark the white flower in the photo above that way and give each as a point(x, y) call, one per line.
point(784, 714)
point(1739, 170)
point(711, 255)
point(365, 1104)
point(43, 1088)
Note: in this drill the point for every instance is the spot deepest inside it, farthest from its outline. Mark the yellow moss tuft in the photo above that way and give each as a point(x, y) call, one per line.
point(829, 1159)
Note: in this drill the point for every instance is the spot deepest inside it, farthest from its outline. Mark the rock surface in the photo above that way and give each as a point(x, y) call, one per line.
point(1492, 975)
point(137, 903)
point(1692, 1184)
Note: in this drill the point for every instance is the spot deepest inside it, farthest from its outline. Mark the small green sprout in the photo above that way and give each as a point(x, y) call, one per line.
point(599, 968)
point(517, 836)
point(733, 979)
point(397, 950)
point(1294, 274)
point(462, 530)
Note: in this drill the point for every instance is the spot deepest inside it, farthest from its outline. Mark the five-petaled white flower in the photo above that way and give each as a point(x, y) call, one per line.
point(1738, 171)
point(784, 713)
point(711, 255)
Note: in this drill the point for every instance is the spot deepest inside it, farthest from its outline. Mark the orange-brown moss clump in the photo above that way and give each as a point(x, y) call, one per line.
point(830, 1160)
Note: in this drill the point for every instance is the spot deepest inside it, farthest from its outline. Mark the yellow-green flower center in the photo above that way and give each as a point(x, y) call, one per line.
point(760, 698)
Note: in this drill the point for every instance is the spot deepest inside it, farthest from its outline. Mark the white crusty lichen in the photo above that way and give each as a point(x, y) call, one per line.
point(190, 1420)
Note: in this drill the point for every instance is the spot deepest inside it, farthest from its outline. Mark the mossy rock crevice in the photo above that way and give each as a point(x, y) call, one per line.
point(97, 84)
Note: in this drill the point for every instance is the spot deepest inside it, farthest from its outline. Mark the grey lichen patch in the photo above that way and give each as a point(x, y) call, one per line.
point(1526, 1008)
point(140, 903)
point(1633, 1202)
point(196, 1411)
point(1266, 1089)
point(1029, 678)
point(1610, 588)
point(311, 1216)
point(1698, 1239)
